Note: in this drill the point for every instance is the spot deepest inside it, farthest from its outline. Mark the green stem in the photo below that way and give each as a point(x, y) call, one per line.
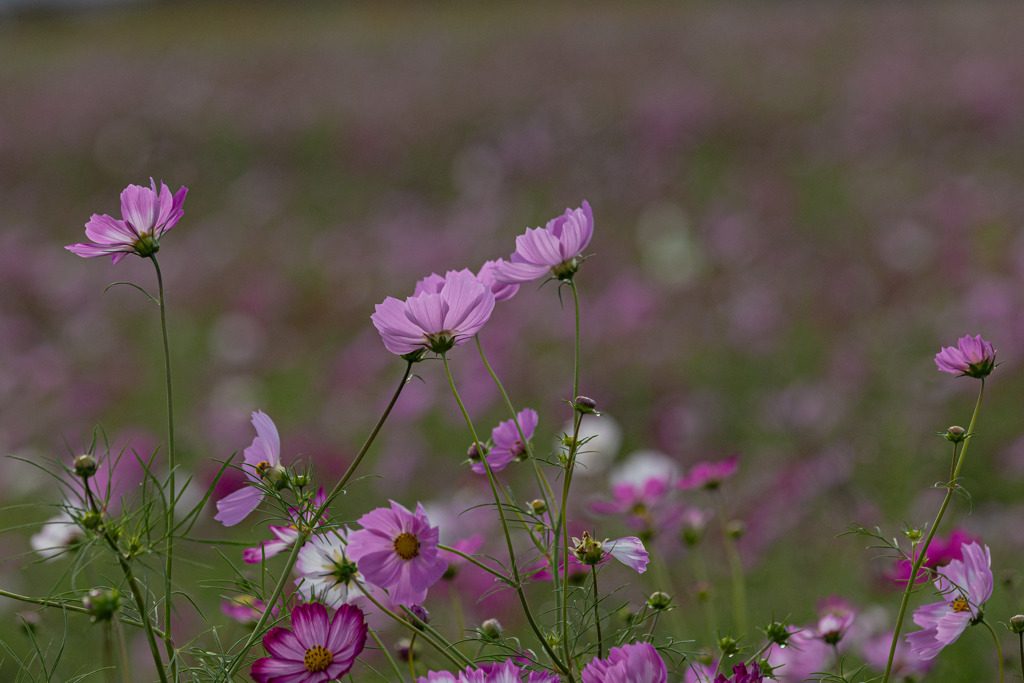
point(576, 349)
point(478, 563)
point(504, 526)
point(387, 655)
point(1021, 637)
point(931, 533)
point(122, 646)
point(665, 580)
point(412, 644)
point(999, 650)
point(563, 525)
point(739, 589)
point(700, 570)
point(171, 465)
point(305, 531)
point(597, 614)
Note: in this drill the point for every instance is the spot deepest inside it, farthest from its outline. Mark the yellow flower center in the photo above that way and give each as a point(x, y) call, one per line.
point(317, 658)
point(960, 605)
point(407, 546)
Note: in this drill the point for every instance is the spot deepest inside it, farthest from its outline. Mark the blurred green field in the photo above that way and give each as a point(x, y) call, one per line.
point(796, 206)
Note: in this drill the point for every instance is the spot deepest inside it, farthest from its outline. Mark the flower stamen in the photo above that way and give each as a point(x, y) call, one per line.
point(407, 546)
point(317, 659)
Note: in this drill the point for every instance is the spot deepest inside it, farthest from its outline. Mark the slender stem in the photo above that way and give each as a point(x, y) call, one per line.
point(563, 524)
point(171, 466)
point(504, 526)
point(666, 584)
point(700, 569)
point(69, 606)
point(597, 613)
point(460, 617)
point(739, 590)
point(576, 350)
point(122, 646)
point(108, 653)
point(999, 650)
point(409, 656)
point(931, 533)
point(306, 530)
point(1021, 637)
point(478, 563)
point(387, 655)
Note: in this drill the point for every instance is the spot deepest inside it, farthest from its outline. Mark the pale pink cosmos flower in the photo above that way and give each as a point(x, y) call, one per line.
point(435, 320)
point(146, 214)
point(507, 446)
point(968, 582)
point(972, 357)
point(397, 550)
point(636, 663)
point(318, 649)
point(552, 250)
point(263, 456)
point(629, 550)
point(502, 291)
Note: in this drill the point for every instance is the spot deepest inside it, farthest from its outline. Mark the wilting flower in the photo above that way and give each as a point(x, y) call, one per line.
point(553, 249)
point(435, 317)
point(507, 444)
point(973, 357)
point(325, 571)
point(740, 674)
point(969, 583)
point(629, 550)
point(319, 649)
point(146, 215)
point(636, 663)
point(709, 475)
point(397, 550)
point(262, 459)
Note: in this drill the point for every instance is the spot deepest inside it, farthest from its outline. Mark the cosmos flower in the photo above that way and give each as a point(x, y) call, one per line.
point(502, 291)
point(507, 446)
point(325, 572)
point(435, 317)
point(941, 552)
point(318, 649)
point(397, 550)
point(262, 459)
point(709, 475)
point(629, 550)
point(146, 215)
point(972, 357)
point(509, 671)
point(740, 674)
point(969, 583)
point(285, 536)
point(636, 663)
point(552, 250)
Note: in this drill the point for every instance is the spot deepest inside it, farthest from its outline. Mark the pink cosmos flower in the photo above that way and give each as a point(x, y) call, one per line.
point(319, 649)
point(502, 291)
point(507, 444)
point(553, 249)
point(262, 457)
point(636, 663)
point(740, 674)
point(325, 572)
point(969, 583)
point(805, 653)
point(435, 317)
point(245, 609)
point(397, 550)
point(941, 552)
point(973, 357)
point(709, 475)
point(641, 490)
point(629, 550)
point(508, 671)
point(146, 215)
point(285, 536)
point(905, 665)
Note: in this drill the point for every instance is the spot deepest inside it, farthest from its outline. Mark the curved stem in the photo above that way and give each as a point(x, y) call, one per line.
point(171, 466)
point(504, 526)
point(931, 533)
point(387, 655)
point(478, 563)
point(306, 530)
point(999, 650)
point(412, 644)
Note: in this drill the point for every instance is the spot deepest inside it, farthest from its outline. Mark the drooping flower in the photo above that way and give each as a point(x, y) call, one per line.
point(973, 357)
point(709, 475)
point(629, 550)
point(146, 214)
point(397, 550)
point(507, 446)
point(435, 318)
point(262, 460)
point(554, 249)
point(969, 583)
point(318, 649)
point(636, 663)
point(324, 570)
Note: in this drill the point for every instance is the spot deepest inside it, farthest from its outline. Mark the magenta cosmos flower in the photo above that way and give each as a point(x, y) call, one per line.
point(435, 318)
point(552, 250)
point(262, 459)
point(968, 582)
point(507, 444)
point(973, 357)
point(709, 475)
point(941, 552)
point(146, 214)
point(318, 650)
point(740, 674)
point(636, 663)
point(508, 671)
point(397, 550)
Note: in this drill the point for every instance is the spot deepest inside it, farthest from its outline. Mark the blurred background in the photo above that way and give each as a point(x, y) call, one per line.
point(796, 206)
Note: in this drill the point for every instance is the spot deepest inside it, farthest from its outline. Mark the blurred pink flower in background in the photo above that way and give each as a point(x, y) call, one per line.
point(146, 215)
point(709, 475)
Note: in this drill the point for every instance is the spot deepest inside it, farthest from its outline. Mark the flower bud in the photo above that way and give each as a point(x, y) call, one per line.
point(537, 506)
point(102, 604)
point(777, 633)
point(300, 480)
point(421, 617)
point(955, 434)
point(491, 629)
point(85, 465)
point(585, 405)
point(702, 591)
point(92, 520)
point(1017, 623)
point(473, 453)
point(29, 622)
point(728, 646)
point(659, 600)
point(735, 529)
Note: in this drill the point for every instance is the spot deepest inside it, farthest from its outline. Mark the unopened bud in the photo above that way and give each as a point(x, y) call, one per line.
point(585, 405)
point(92, 520)
point(102, 604)
point(421, 617)
point(777, 633)
point(1017, 623)
point(728, 646)
point(659, 600)
point(702, 590)
point(735, 529)
point(300, 480)
point(491, 629)
point(955, 434)
point(85, 465)
point(473, 452)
